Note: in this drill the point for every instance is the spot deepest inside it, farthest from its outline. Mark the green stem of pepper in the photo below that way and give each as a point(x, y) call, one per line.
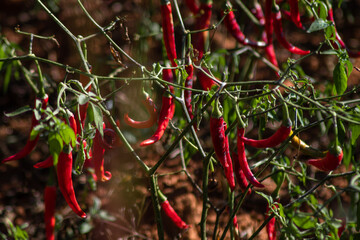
point(238, 115)
point(231, 209)
point(275, 193)
point(41, 81)
point(205, 197)
point(216, 113)
point(157, 211)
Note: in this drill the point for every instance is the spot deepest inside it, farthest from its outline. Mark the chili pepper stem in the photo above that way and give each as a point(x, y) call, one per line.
point(156, 206)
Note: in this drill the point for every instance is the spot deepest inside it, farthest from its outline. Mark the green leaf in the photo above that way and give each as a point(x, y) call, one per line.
point(55, 145)
point(35, 132)
point(341, 131)
point(106, 216)
point(267, 197)
point(83, 99)
point(7, 78)
point(304, 220)
point(347, 154)
point(67, 134)
point(355, 132)
point(349, 67)
point(340, 78)
point(85, 227)
point(329, 52)
point(322, 9)
point(317, 25)
point(19, 111)
point(98, 118)
point(80, 159)
point(330, 33)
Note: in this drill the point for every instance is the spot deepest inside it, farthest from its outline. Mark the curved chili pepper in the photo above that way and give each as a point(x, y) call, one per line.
point(64, 170)
point(202, 24)
point(98, 152)
point(170, 212)
point(239, 174)
point(189, 84)
point(270, 53)
point(88, 163)
point(338, 38)
point(243, 161)
point(269, 28)
point(221, 145)
point(259, 14)
point(271, 225)
point(269, 48)
point(150, 107)
point(168, 31)
point(50, 204)
point(278, 137)
point(281, 38)
point(205, 81)
point(235, 222)
point(80, 119)
point(328, 163)
point(31, 143)
point(294, 13)
point(191, 4)
point(48, 162)
point(234, 28)
point(166, 113)
point(331, 18)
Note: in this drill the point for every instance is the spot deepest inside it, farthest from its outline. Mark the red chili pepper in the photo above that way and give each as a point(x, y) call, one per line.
point(269, 28)
point(170, 212)
point(258, 13)
point(48, 162)
point(64, 171)
point(50, 204)
point(269, 48)
point(270, 53)
point(342, 228)
point(331, 18)
point(234, 28)
point(168, 31)
point(328, 163)
point(150, 106)
point(166, 113)
point(295, 14)
point(221, 145)
point(271, 225)
point(88, 163)
point(191, 4)
point(206, 82)
point(98, 152)
point(189, 84)
point(243, 161)
point(239, 174)
point(83, 108)
point(235, 222)
point(31, 143)
point(278, 137)
point(281, 38)
point(202, 23)
point(351, 53)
